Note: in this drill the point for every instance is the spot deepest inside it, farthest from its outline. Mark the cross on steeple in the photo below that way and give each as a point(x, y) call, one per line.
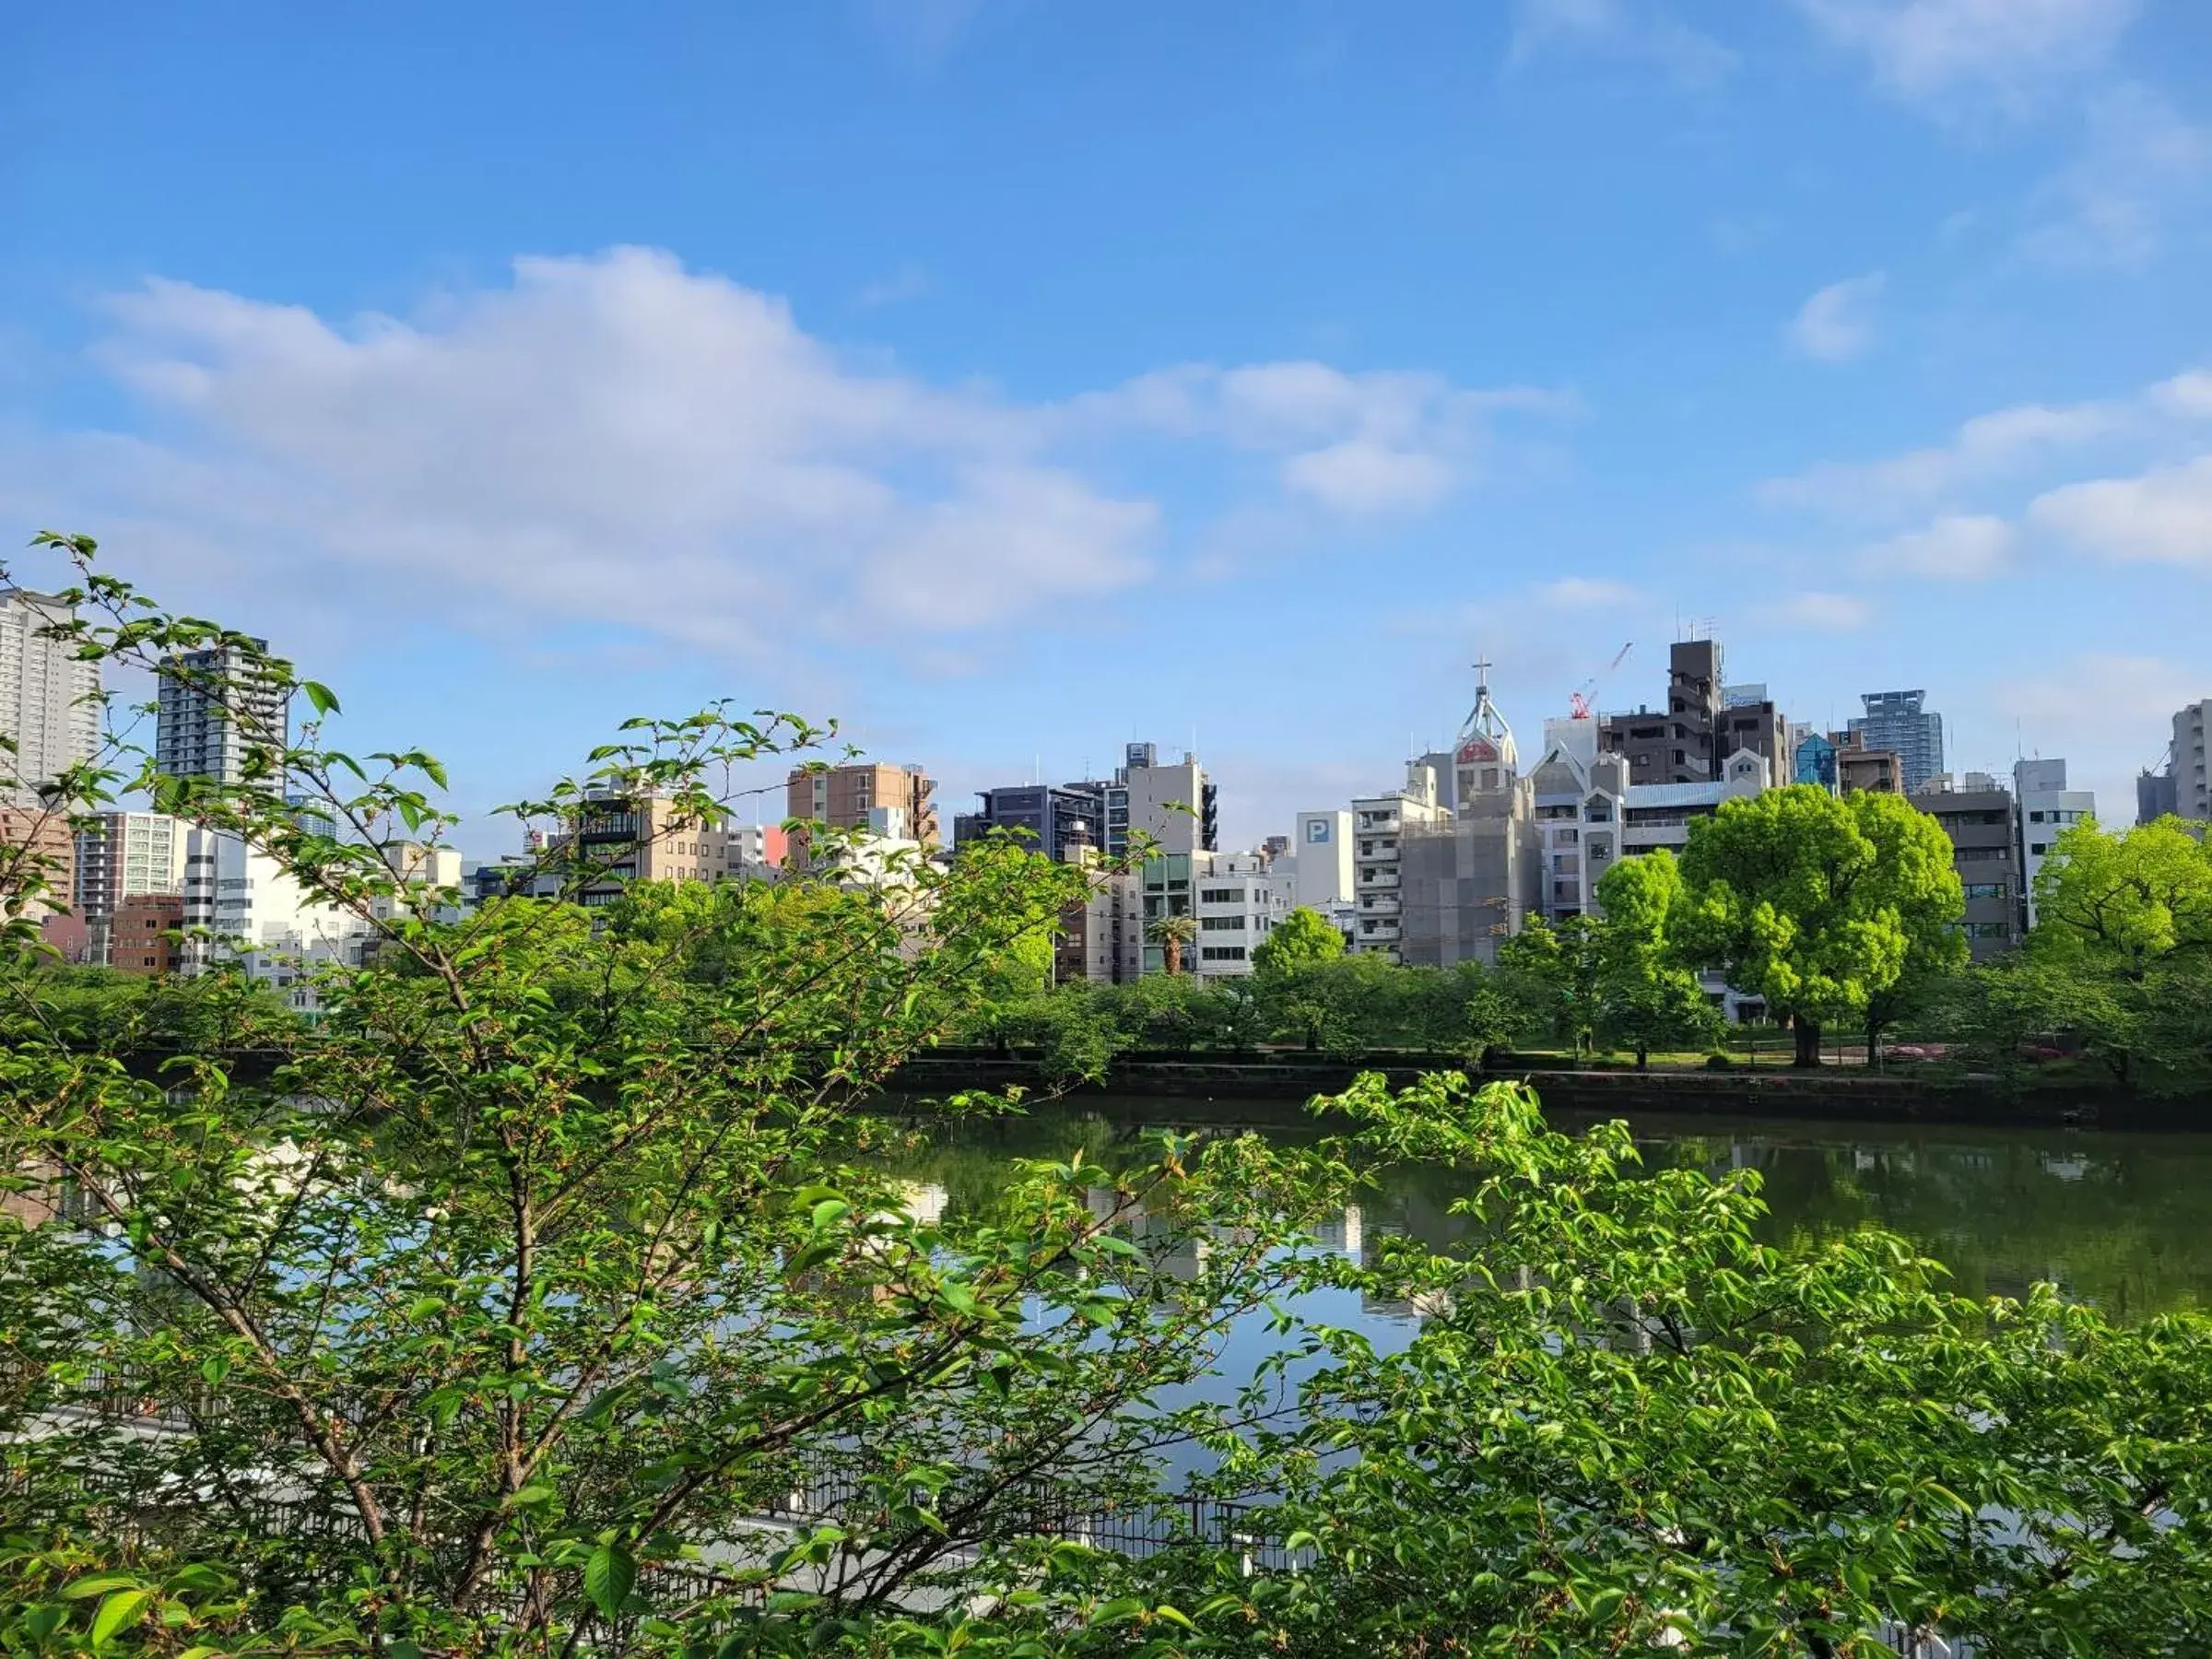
point(1482, 672)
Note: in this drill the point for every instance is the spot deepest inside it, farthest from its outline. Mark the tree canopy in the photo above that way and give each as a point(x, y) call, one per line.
point(1817, 903)
point(1303, 935)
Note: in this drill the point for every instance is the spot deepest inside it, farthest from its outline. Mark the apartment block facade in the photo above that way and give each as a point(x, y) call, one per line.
point(214, 710)
point(143, 934)
point(1057, 819)
point(1682, 742)
point(846, 797)
point(47, 706)
point(2047, 808)
point(2186, 763)
point(120, 856)
point(1979, 815)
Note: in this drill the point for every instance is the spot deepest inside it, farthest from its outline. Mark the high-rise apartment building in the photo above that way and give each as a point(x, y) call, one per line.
point(1172, 804)
point(2192, 787)
point(124, 855)
point(215, 709)
point(856, 796)
point(47, 697)
point(2047, 808)
point(1901, 722)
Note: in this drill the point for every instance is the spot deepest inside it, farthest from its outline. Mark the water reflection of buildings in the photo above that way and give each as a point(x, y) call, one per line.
point(1337, 1235)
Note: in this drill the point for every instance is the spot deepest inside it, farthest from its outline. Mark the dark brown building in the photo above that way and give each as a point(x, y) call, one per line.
point(1683, 743)
point(142, 936)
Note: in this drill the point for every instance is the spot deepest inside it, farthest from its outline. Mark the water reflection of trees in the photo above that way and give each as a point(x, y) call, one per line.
point(2118, 1219)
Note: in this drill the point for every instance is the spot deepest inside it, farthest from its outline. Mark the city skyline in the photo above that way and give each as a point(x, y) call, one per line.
point(1014, 384)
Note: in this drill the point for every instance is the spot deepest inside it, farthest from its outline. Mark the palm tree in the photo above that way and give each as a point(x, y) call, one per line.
point(1174, 934)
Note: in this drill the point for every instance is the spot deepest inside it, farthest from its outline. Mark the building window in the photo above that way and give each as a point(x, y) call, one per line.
point(1222, 924)
point(2038, 848)
point(1987, 889)
point(1221, 953)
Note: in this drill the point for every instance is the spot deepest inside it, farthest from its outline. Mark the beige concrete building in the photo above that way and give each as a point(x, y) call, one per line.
point(621, 838)
point(1858, 767)
point(47, 707)
point(898, 801)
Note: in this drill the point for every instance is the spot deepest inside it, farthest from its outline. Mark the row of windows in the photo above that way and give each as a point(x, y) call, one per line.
point(2056, 817)
point(1221, 953)
point(1221, 923)
point(1986, 930)
point(1220, 895)
point(1987, 889)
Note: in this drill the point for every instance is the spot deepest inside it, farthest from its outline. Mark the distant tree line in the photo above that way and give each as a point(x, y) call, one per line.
point(1839, 915)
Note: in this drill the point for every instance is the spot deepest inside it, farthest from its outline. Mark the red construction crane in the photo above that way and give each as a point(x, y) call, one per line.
point(1578, 700)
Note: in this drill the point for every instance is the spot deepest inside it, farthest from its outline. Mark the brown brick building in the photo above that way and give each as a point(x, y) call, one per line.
point(856, 796)
point(142, 934)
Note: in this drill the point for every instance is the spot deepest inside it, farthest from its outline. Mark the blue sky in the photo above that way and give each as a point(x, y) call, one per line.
point(1010, 377)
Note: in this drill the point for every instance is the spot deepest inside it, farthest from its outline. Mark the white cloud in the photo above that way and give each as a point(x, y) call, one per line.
point(1362, 476)
point(1643, 29)
point(616, 442)
point(2139, 159)
point(2161, 517)
point(1956, 548)
point(1940, 52)
point(1835, 325)
point(2187, 395)
point(1830, 613)
point(1373, 443)
point(1588, 592)
point(1987, 448)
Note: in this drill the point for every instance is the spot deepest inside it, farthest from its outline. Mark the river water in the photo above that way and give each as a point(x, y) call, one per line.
point(2123, 1220)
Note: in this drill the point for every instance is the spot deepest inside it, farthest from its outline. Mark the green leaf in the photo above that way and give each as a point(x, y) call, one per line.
point(607, 1577)
point(119, 1612)
point(320, 695)
point(101, 1584)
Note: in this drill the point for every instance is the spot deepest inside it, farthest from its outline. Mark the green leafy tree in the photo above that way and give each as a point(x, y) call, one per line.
point(1915, 878)
point(2119, 961)
point(1644, 998)
point(494, 1307)
point(1626, 1425)
point(1554, 969)
point(1304, 935)
point(1820, 905)
point(2126, 900)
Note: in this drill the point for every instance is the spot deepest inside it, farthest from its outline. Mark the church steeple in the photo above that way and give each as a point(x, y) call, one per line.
point(1484, 740)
